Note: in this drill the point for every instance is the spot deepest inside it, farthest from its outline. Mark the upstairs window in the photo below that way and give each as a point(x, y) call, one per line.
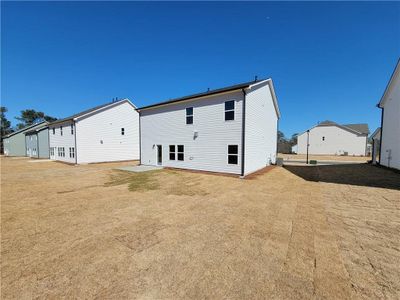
point(181, 151)
point(122, 131)
point(172, 153)
point(230, 110)
point(61, 130)
point(72, 128)
point(233, 154)
point(323, 138)
point(54, 130)
point(189, 115)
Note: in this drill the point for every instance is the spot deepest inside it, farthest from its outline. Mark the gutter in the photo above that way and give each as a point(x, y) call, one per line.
point(243, 132)
point(380, 140)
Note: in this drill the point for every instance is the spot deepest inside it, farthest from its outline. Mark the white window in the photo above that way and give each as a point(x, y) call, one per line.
point(172, 153)
point(54, 130)
point(189, 115)
point(61, 152)
point(51, 151)
point(181, 151)
point(323, 138)
point(233, 154)
point(71, 152)
point(72, 128)
point(61, 130)
point(230, 110)
point(122, 131)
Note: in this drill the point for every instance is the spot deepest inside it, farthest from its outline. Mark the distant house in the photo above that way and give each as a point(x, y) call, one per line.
point(389, 155)
point(108, 132)
point(37, 142)
point(294, 149)
point(330, 138)
point(15, 144)
point(375, 140)
point(228, 130)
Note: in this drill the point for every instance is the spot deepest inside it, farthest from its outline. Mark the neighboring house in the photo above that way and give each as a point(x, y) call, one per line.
point(108, 132)
point(14, 143)
point(330, 138)
point(37, 142)
point(375, 140)
point(389, 155)
point(228, 130)
point(294, 149)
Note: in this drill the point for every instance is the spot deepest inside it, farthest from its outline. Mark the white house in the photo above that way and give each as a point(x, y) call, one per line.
point(228, 130)
point(375, 140)
point(389, 154)
point(330, 138)
point(108, 132)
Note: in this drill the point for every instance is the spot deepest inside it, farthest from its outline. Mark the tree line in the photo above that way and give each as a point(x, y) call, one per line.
point(285, 144)
point(27, 117)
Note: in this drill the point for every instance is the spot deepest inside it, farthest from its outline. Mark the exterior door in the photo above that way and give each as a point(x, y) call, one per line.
point(159, 154)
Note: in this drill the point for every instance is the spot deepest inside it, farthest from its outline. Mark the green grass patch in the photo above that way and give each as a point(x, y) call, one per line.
point(137, 182)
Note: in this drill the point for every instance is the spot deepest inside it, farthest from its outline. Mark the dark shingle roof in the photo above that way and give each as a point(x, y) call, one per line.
point(39, 128)
point(210, 92)
point(24, 129)
point(85, 112)
point(362, 128)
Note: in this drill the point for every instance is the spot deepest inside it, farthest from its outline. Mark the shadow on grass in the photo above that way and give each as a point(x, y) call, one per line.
point(353, 174)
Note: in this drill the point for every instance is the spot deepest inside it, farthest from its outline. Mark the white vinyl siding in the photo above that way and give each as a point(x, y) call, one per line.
point(260, 129)
point(58, 141)
point(99, 137)
point(332, 140)
point(166, 125)
point(390, 153)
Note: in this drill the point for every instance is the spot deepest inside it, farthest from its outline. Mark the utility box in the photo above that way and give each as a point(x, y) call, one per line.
point(313, 162)
point(279, 161)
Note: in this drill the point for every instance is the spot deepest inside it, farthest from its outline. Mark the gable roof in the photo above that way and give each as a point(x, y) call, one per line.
point(376, 134)
point(395, 73)
point(25, 129)
point(360, 129)
point(37, 129)
point(218, 91)
point(92, 110)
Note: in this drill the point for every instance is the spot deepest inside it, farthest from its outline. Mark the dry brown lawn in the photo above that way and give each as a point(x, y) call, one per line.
point(325, 157)
point(296, 232)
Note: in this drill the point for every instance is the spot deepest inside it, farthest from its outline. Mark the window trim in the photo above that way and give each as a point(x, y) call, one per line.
point(72, 128)
point(61, 130)
point(189, 115)
point(229, 110)
point(232, 154)
point(172, 152)
point(180, 152)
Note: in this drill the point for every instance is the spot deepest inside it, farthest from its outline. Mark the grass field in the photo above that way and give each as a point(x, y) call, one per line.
point(296, 232)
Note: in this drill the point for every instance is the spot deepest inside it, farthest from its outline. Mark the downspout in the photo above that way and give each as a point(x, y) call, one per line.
point(380, 140)
point(76, 146)
point(37, 144)
point(243, 131)
point(140, 139)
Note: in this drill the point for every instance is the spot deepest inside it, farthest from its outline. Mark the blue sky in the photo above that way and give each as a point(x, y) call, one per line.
point(328, 60)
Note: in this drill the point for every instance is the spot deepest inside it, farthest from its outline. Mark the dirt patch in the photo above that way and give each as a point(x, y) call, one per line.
point(85, 232)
